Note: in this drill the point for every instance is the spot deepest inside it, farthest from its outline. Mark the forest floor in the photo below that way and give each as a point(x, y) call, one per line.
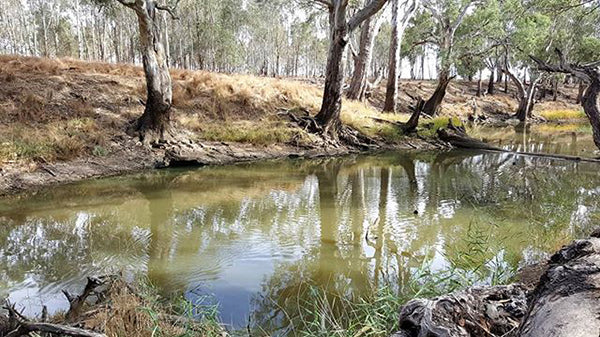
point(65, 120)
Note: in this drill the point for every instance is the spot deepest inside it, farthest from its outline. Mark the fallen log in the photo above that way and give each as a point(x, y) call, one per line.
point(564, 303)
point(16, 325)
point(566, 300)
point(457, 137)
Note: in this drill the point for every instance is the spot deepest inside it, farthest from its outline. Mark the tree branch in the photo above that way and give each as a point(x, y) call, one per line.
point(170, 10)
point(369, 10)
point(127, 3)
point(582, 72)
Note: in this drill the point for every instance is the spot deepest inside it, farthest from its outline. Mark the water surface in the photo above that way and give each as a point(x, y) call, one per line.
point(251, 237)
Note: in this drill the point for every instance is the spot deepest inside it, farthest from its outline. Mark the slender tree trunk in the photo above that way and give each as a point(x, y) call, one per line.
point(479, 86)
point(362, 61)
point(590, 107)
point(154, 125)
point(526, 100)
point(391, 93)
point(491, 89)
point(433, 104)
point(394, 64)
point(581, 91)
point(498, 74)
point(331, 107)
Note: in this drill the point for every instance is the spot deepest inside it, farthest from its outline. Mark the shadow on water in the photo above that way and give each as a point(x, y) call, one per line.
point(260, 239)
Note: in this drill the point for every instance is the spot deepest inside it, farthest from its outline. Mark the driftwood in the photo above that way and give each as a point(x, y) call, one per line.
point(76, 302)
point(476, 311)
point(566, 300)
point(412, 123)
point(457, 137)
point(25, 328)
point(16, 325)
point(564, 303)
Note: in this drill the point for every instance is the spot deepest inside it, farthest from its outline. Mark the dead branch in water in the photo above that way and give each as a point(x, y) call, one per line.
point(76, 302)
point(19, 325)
point(457, 137)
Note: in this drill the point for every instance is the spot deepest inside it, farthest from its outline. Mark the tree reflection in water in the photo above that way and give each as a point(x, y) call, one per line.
point(262, 238)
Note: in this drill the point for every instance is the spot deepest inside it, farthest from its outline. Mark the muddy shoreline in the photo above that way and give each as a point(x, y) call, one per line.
point(133, 157)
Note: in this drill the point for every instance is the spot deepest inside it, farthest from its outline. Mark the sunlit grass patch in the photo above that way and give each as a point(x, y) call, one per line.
point(254, 132)
point(429, 127)
point(563, 128)
point(555, 115)
point(362, 117)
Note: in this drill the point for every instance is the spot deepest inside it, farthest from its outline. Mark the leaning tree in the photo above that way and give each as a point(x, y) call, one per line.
point(589, 73)
point(340, 25)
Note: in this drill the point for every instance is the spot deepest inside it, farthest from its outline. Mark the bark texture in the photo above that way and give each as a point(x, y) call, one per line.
point(329, 115)
point(491, 88)
point(565, 303)
point(155, 124)
point(362, 59)
point(432, 106)
point(399, 23)
point(476, 311)
point(525, 94)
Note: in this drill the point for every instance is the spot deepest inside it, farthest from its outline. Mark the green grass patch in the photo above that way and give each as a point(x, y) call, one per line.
point(257, 133)
point(557, 115)
point(429, 127)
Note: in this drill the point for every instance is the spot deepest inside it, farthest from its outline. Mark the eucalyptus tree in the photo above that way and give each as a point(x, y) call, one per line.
point(363, 56)
point(415, 42)
point(447, 15)
point(154, 125)
point(402, 12)
point(340, 27)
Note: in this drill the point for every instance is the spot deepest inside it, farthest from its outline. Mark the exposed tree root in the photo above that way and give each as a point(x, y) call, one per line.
point(336, 137)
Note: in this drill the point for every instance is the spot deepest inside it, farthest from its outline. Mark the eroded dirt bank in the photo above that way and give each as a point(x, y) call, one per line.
point(134, 157)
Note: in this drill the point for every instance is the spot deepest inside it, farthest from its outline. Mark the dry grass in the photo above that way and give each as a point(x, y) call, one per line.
point(137, 311)
point(43, 101)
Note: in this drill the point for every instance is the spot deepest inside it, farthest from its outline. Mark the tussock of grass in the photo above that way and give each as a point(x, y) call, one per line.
point(61, 140)
point(138, 311)
point(557, 115)
point(474, 259)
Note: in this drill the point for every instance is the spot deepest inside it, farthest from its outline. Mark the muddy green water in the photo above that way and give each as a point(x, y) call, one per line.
point(251, 237)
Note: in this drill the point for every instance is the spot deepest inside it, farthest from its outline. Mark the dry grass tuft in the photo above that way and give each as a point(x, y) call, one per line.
point(139, 312)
